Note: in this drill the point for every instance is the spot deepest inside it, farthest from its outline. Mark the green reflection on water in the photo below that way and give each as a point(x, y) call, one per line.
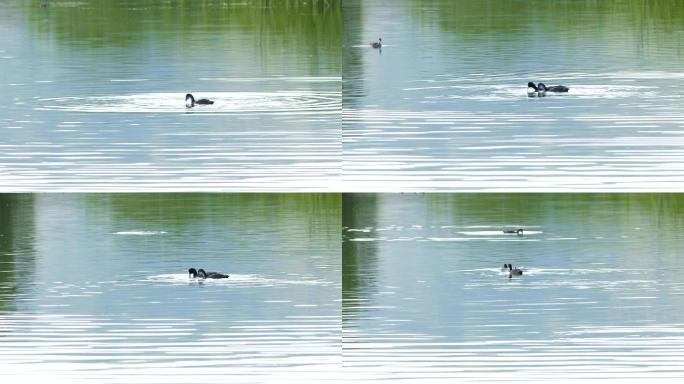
point(353, 58)
point(618, 32)
point(665, 209)
point(310, 30)
point(276, 216)
point(507, 17)
point(358, 258)
point(315, 23)
point(16, 245)
point(185, 208)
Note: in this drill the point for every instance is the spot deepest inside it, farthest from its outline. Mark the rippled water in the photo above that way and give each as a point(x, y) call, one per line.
point(93, 287)
point(443, 105)
point(95, 96)
point(601, 295)
point(247, 103)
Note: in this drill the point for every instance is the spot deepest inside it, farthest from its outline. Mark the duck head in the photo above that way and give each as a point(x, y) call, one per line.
point(541, 90)
point(189, 101)
point(192, 273)
point(201, 274)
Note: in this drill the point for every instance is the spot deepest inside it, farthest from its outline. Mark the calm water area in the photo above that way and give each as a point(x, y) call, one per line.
point(94, 95)
point(94, 287)
point(443, 105)
point(601, 296)
point(332, 278)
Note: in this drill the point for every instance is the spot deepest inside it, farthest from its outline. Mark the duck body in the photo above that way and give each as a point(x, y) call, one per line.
point(518, 231)
point(190, 101)
point(211, 275)
point(554, 88)
point(202, 274)
point(377, 44)
point(514, 271)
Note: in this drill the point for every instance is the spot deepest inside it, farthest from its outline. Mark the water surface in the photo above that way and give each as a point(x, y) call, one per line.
point(443, 105)
point(601, 295)
point(94, 287)
point(95, 90)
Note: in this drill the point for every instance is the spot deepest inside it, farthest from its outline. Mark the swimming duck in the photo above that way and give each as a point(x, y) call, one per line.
point(190, 101)
point(518, 231)
point(514, 271)
point(377, 44)
point(211, 275)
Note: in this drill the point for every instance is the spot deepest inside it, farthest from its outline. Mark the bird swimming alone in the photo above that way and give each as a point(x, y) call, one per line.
point(193, 273)
point(190, 101)
point(518, 231)
point(541, 89)
point(377, 44)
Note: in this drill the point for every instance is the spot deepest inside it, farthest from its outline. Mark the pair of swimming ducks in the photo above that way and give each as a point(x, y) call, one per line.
point(540, 89)
point(511, 271)
point(202, 274)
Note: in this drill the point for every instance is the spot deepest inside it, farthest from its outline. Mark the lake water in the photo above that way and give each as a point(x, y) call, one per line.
point(443, 105)
point(601, 296)
point(94, 287)
point(95, 95)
